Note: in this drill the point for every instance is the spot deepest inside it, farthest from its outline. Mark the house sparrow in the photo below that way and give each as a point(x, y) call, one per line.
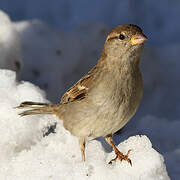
point(105, 99)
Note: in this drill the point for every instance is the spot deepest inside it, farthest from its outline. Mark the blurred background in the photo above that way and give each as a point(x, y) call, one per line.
point(52, 44)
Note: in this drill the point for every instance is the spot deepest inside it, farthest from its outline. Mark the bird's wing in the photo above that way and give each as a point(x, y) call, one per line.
point(80, 89)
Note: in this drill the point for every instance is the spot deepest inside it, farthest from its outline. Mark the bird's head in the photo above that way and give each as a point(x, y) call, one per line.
point(124, 40)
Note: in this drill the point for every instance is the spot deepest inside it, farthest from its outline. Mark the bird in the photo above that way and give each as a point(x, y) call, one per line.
point(107, 97)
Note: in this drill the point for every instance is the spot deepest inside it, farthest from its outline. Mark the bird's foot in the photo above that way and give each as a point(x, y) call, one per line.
point(121, 157)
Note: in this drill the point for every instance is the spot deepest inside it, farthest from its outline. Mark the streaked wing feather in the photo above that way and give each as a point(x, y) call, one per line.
point(80, 89)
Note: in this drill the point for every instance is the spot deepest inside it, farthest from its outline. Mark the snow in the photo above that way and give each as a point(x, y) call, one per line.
point(10, 48)
point(26, 154)
point(58, 161)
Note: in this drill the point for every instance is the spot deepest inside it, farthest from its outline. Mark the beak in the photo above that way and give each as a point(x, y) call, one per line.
point(138, 39)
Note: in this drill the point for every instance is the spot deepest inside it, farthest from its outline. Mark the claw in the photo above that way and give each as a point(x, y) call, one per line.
point(121, 157)
point(130, 162)
point(110, 162)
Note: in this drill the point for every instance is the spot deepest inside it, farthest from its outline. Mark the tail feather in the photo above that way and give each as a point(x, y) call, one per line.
point(31, 104)
point(37, 108)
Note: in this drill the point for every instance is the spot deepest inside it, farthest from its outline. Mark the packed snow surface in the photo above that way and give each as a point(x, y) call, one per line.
point(28, 155)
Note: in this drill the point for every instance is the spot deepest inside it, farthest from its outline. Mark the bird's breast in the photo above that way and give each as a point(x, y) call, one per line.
point(116, 102)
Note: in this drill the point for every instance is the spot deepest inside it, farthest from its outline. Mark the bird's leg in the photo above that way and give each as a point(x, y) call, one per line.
point(82, 148)
point(119, 155)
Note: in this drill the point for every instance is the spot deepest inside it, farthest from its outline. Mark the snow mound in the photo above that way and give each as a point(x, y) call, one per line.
point(27, 155)
point(10, 48)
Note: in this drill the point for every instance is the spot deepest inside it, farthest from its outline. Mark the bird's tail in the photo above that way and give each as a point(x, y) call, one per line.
point(37, 108)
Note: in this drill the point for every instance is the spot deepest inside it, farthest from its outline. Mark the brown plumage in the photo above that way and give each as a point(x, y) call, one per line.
point(105, 99)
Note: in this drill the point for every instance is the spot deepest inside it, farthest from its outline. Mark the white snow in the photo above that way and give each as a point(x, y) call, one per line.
point(10, 48)
point(27, 155)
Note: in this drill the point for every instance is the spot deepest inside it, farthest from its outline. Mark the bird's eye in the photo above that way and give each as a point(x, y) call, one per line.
point(121, 36)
